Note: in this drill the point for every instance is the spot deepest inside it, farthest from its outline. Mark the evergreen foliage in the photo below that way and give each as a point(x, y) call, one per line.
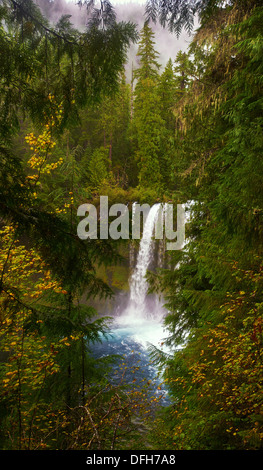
point(212, 295)
point(72, 129)
point(150, 127)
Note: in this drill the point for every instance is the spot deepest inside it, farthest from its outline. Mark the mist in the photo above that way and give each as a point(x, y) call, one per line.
point(166, 43)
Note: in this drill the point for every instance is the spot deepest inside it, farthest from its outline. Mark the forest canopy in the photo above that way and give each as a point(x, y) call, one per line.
point(74, 127)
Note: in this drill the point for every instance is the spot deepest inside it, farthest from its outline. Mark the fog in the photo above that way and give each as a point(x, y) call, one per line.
point(167, 44)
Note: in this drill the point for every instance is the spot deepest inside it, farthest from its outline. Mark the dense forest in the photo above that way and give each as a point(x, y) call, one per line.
point(74, 126)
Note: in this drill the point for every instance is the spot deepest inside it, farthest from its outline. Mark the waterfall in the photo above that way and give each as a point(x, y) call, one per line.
point(140, 306)
point(138, 321)
point(138, 283)
point(132, 245)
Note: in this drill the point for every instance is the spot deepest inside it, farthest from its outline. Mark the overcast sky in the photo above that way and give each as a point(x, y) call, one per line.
point(121, 2)
point(167, 44)
point(127, 1)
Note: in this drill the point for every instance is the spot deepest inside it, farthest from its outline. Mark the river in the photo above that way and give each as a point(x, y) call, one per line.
point(139, 323)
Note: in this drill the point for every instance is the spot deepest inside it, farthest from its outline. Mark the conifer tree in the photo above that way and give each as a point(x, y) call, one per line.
point(167, 90)
point(39, 61)
point(149, 124)
point(47, 75)
point(214, 300)
point(149, 65)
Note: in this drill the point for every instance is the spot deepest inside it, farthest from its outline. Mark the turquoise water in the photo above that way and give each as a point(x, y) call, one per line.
point(130, 342)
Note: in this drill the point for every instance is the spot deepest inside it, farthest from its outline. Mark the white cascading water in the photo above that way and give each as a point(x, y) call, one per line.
point(142, 318)
point(138, 282)
point(140, 323)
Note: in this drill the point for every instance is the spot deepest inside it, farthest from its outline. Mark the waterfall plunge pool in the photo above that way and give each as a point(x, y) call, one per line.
point(130, 342)
point(139, 324)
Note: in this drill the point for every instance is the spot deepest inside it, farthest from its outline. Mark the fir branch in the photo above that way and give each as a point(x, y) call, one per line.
point(26, 14)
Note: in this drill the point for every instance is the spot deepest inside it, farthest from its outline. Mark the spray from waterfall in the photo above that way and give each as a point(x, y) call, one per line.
point(142, 318)
point(138, 322)
point(141, 307)
point(138, 282)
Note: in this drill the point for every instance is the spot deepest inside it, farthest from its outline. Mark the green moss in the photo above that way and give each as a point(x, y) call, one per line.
point(116, 276)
